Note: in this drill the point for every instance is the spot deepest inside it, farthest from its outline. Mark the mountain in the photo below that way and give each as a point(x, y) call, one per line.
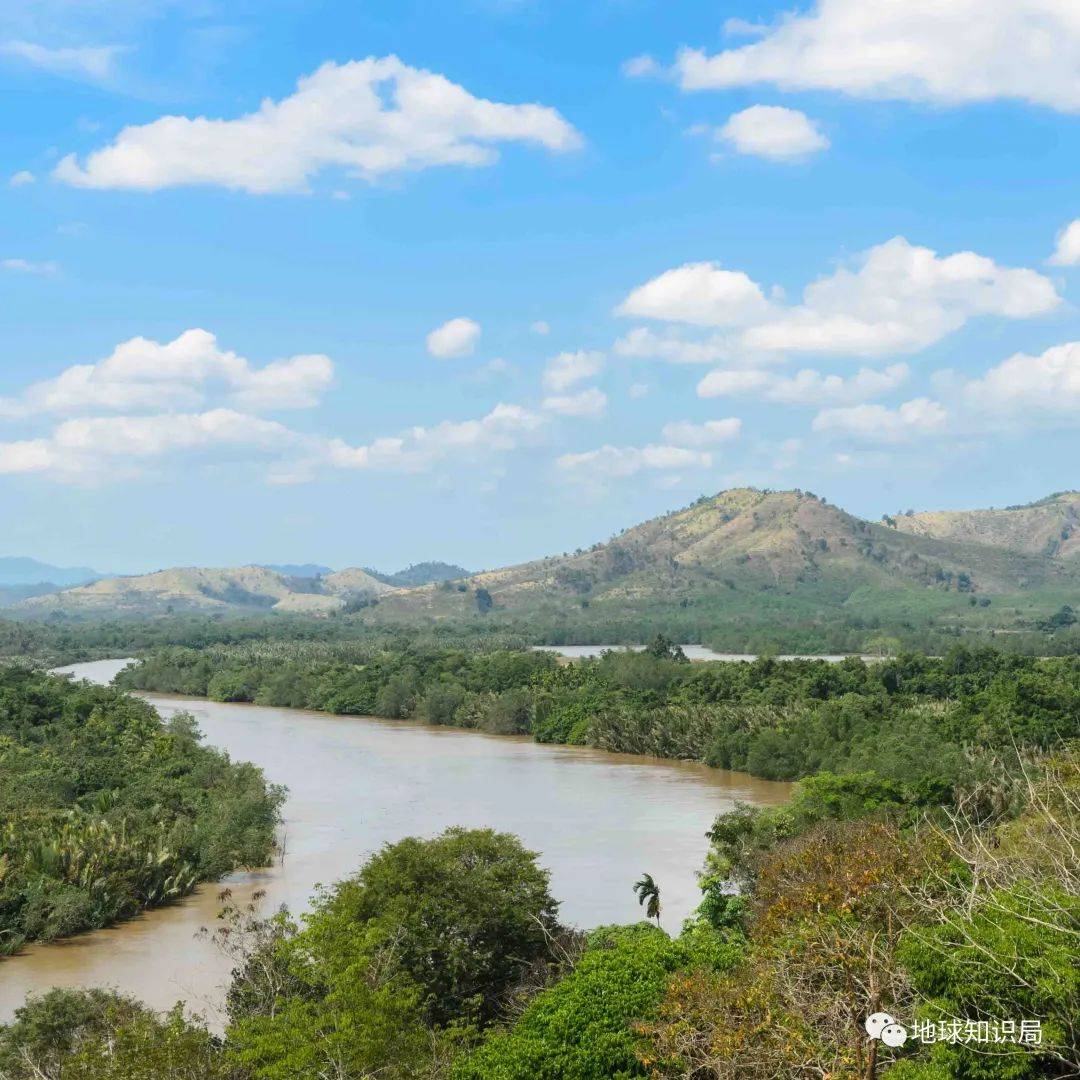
point(1048, 527)
point(298, 569)
point(749, 554)
point(249, 588)
point(19, 570)
point(423, 573)
point(744, 558)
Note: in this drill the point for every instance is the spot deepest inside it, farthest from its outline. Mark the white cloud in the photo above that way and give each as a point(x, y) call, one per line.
point(896, 298)
point(701, 294)
point(145, 374)
point(370, 117)
point(647, 344)
point(458, 337)
point(806, 387)
point(99, 448)
point(1067, 252)
point(1024, 385)
point(96, 63)
point(540, 327)
point(109, 449)
point(640, 67)
point(418, 448)
point(618, 461)
point(711, 432)
point(569, 368)
point(25, 266)
point(878, 424)
point(21, 178)
point(639, 390)
point(945, 51)
point(773, 132)
point(589, 404)
point(901, 298)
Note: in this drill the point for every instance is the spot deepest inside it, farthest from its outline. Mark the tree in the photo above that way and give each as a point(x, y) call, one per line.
point(648, 894)
point(484, 603)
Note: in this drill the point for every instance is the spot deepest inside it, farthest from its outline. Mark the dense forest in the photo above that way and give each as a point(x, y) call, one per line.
point(106, 810)
point(923, 722)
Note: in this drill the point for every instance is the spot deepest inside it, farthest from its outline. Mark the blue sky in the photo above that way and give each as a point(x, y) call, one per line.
point(487, 279)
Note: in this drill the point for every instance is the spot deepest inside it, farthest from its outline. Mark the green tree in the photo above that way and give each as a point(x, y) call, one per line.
point(648, 894)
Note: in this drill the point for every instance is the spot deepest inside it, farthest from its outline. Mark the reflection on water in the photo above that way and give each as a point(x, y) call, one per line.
point(597, 821)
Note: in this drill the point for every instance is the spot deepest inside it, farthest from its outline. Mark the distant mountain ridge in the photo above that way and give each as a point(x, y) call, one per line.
point(742, 554)
point(197, 589)
point(21, 570)
point(423, 573)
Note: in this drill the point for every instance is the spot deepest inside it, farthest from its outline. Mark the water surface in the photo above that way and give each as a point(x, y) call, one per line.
point(597, 821)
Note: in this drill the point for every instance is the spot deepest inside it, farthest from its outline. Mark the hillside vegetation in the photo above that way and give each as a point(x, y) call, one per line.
point(748, 560)
point(1049, 527)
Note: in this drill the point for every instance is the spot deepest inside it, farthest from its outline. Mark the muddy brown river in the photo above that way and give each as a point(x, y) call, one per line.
point(596, 820)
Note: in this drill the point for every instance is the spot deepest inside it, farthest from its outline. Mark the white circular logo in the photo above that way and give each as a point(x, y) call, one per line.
point(894, 1034)
point(875, 1023)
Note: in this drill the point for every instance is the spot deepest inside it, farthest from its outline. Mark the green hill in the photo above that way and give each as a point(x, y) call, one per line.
point(187, 589)
point(728, 567)
point(756, 557)
point(1050, 526)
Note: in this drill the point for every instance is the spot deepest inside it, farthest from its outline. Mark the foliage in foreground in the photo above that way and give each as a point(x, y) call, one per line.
point(852, 903)
point(106, 810)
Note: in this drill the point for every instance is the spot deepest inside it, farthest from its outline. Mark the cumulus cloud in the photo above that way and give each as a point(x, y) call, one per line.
point(118, 447)
point(108, 449)
point(894, 298)
point(1067, 252)
point(878, 424)
point(901, 298)
point(418, 448)
point(1024, 385)
point(369, 117)
point(711, 432)
point(145, 374)
point(455, 338)
point(94, 63)
point(588, 404)
point(21, 178)
point(773, 132)
point(806, 387)
point(702, 294)
point(1026, 50)
point(569, 368)
point(619, 461)
point(540, 327)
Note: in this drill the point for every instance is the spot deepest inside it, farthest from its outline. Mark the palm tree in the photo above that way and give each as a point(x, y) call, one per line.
point(648, 895)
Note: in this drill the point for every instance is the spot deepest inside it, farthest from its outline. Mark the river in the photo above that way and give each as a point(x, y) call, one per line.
point(597, 821)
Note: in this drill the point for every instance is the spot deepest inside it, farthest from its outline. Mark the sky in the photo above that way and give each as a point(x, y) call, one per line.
point(484, 280)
